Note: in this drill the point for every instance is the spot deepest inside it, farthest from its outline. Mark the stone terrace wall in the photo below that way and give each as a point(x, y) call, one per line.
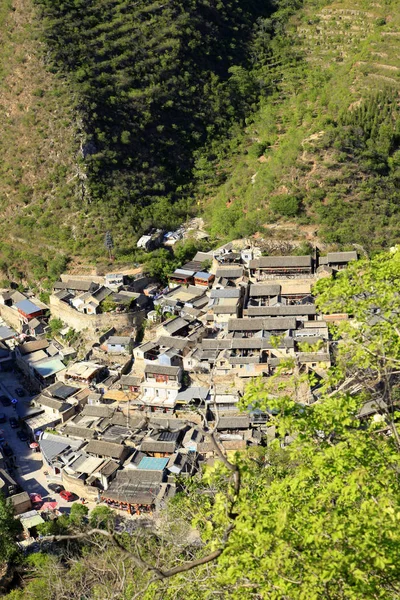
point(78, 487)
point(11, 317)
point(92, 323)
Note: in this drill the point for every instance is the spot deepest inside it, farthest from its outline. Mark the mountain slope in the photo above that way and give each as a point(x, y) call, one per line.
point(278, 118)
point(323, 149)
point(39, 175)
point(153, 83)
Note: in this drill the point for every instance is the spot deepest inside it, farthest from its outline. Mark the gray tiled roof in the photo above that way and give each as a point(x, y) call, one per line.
point(261, 290)
point(313, 357)
point(172, 342)
point(286, 262)
point(158, 446)
point(135, 486)
point(106, 449)
point(234, 422)
point(84, 433)
point(97, 410)
point(260, 324)
point(175, 325)
point(30, 347)
point(53, 403)
point(341, 257)
point(157, 369)
point(226, 293)
point(229, 272)
point(289, 310)
point(119, 340)
point(133, 380)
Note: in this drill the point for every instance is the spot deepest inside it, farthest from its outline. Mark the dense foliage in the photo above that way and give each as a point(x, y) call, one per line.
point(9, 528)
point(154, 84)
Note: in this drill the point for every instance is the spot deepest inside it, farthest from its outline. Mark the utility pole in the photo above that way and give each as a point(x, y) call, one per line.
point(109, 243)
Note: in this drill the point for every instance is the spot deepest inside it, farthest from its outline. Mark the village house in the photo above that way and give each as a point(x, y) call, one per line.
point(114, 281)
point(166, 350)
point(185, 275)
point(162, 444)
point(263, 294)
point(272, 267)
point(250, 327)
point(338, 260)
point(181, 297)
point(141, 490)
point(178, 326)
point(103, 449)
point(58, 410)
point(225, 304)
point(151, 241)
point(160, 388)
point(28, 310)
point(117, 344)
point(40, 361)
point(204, 279)
point(73, 286)
point(37, 328)
point(85, 373)
point(131, 382)
point(296, 290)
point(228, 276)
point(302, 312)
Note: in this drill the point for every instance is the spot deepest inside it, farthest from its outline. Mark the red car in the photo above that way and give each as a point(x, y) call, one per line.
point(68, 496)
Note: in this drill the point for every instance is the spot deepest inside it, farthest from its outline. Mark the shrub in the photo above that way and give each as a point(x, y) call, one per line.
point(287, 206)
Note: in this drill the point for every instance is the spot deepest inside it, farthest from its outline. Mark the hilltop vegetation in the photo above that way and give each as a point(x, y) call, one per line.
point(154, 83)
point(323, 149)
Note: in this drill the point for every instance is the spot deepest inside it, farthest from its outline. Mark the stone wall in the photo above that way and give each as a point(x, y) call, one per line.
point(11, 317)
point(77, 486)
point(95, 278)
point(94, 323)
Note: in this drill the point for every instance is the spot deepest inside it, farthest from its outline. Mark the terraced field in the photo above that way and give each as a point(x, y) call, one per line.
point(294, 162)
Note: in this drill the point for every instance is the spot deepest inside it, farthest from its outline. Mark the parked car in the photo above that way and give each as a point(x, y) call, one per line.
point(14, 422)
point(23, 436)
point(20, 392)
point(55, 487)
point(5, 400)
point(8, 451)
point(2, 438)
point(68, 496)
point(3, 417)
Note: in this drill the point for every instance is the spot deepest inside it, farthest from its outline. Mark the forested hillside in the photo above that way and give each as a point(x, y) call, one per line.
point(277, 117)
point(323, 149)
point(154, 83)
point(41, 218)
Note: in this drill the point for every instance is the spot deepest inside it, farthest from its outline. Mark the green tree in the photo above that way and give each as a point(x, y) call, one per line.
point(102, 517)
point(78, 514)
point(9, 528)
point(55, 326)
